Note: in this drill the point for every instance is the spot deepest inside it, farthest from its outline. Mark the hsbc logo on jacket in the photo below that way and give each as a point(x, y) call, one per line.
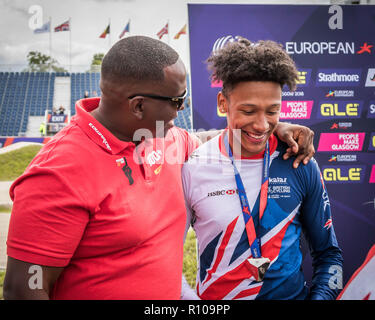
point(223, 192)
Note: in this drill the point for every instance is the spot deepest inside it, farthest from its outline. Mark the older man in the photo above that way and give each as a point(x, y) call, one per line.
point(99, 213)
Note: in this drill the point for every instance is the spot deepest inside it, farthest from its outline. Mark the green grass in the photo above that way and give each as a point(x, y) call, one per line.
point(14, 163)
point(190, 260)
point(5, 208)
point(2, 275)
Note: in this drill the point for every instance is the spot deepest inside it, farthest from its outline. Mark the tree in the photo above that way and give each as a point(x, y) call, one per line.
point(39, 62)
point(97, 59)
point(96, 62)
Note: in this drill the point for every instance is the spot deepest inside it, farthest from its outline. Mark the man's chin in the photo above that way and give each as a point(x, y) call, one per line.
point(249, 149)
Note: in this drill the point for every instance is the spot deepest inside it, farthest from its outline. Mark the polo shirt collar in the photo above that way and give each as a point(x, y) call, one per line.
point(95, 130)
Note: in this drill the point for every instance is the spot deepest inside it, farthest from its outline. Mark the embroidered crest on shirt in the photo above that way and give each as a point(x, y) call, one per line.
point(153, 158)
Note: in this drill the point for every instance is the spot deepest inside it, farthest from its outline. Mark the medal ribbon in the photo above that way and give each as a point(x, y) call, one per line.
point(254, 241)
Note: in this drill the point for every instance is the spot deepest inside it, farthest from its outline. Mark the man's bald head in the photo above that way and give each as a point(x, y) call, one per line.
point(138, 59)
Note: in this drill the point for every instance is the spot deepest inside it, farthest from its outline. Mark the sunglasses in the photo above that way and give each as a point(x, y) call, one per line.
point(177, 100)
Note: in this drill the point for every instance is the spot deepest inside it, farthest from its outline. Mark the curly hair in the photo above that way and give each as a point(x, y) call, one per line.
point(244, 60)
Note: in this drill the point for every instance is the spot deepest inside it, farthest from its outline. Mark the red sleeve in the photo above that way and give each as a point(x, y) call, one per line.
point(183, 145)
point(48, 217)
point(191, 143)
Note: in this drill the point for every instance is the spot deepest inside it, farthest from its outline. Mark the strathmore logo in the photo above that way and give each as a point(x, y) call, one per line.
point(338, 77)
point(371, 110)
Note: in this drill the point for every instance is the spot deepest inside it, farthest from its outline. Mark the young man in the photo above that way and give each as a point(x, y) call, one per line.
point(247, 206)
point(99, 213)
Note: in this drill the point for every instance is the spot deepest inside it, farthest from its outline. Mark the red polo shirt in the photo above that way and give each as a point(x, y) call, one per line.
point(113, 215)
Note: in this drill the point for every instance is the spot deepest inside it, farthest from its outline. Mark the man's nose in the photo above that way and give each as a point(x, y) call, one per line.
point(261, 124)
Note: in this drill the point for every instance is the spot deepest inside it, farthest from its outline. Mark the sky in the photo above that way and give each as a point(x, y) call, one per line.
point(89, 19)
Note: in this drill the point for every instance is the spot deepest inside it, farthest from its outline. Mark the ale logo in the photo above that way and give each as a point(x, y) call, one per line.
point(343, 174)
point(371, 146)
point(301, 77)
point(340, 109)
point(304, 76)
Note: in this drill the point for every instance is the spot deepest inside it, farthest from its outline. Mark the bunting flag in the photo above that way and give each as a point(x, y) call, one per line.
point(182, 31)
point(163, 31)
point(105, 32)
point(44, 28)
point(126, 29)
point(65, 26)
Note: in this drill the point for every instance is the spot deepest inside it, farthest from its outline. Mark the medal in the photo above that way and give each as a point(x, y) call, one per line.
point(257, 264)
point(258, 267)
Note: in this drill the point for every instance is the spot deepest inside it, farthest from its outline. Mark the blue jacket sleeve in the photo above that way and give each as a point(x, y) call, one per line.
point(319, 232)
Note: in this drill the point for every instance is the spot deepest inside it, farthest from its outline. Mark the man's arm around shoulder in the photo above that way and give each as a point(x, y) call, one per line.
point(28, 281)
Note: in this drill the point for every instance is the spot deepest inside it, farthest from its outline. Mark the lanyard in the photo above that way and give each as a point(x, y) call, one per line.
point(254, 241)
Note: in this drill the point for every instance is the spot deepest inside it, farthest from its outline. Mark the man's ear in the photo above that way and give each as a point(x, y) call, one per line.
point(222, 103)
point(136, 107)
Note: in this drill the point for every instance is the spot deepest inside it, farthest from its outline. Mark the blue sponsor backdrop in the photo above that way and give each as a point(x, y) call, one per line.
point(336, 94)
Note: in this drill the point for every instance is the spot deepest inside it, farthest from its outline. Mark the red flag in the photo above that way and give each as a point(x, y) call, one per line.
point(182, 31)
point(163, 31)
point(65, 26)
point(105, 32)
